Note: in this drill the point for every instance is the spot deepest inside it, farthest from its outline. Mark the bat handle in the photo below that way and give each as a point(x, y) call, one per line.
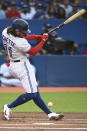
point(57, 27)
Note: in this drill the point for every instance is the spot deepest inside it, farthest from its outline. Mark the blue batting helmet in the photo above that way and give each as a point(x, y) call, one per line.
point(21, 24)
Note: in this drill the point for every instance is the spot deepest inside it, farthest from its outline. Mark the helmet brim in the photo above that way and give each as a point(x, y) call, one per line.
point(26, 32)
point(29, 31)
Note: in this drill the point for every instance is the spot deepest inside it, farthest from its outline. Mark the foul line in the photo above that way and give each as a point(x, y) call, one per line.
point(47, 119)
point(34, 128)
point(43, 124)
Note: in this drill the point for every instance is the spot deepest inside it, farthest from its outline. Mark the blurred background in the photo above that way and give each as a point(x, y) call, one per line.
point(63, 59)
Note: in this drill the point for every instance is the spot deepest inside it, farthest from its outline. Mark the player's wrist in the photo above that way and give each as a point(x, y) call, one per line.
point(44, 39)
point(45, 36)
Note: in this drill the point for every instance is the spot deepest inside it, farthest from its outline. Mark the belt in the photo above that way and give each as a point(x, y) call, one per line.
point(15, 60)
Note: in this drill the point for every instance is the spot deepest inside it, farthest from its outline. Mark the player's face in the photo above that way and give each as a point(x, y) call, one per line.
point(20, 34)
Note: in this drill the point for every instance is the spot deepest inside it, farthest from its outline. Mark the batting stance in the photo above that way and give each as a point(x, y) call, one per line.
point(16, 45)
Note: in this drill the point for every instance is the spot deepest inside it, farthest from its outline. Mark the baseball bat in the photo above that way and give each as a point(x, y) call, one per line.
point(70, 19)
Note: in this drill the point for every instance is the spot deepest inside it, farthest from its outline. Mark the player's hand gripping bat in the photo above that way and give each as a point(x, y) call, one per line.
point(70, 19)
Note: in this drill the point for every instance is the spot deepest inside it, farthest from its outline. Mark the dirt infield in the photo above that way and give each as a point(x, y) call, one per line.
point(40, 122)
point(43, 89)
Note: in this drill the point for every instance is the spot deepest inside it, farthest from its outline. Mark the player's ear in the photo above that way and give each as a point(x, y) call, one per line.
point(17, 31)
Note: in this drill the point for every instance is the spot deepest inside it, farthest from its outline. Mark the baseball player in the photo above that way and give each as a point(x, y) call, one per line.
point(16, 46)
point(6, 77)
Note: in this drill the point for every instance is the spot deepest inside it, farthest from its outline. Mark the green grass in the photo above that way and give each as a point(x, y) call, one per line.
point(71, 102)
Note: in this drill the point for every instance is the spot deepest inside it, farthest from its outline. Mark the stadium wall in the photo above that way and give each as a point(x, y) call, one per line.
point(56, 70)
point(75, 30)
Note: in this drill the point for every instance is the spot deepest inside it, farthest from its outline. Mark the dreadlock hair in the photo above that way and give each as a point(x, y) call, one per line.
point(11, 31)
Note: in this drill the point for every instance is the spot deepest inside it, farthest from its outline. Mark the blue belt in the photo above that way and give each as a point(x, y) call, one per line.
point(15, 60)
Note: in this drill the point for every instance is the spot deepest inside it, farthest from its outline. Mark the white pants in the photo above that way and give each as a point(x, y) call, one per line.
point(24, 71)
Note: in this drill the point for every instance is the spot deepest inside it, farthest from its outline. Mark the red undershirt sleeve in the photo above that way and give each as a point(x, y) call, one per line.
point(37, 48)
point(33, 51)
point(34, 37)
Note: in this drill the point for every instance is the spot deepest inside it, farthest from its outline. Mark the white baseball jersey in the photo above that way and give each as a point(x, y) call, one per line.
point(16, 49)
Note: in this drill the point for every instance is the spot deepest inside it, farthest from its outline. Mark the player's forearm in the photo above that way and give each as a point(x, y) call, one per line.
point(33, 37)
point(37, 48)
point(8, 77)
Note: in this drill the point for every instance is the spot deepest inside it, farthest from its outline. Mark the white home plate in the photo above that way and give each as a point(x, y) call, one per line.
point(43, 123)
